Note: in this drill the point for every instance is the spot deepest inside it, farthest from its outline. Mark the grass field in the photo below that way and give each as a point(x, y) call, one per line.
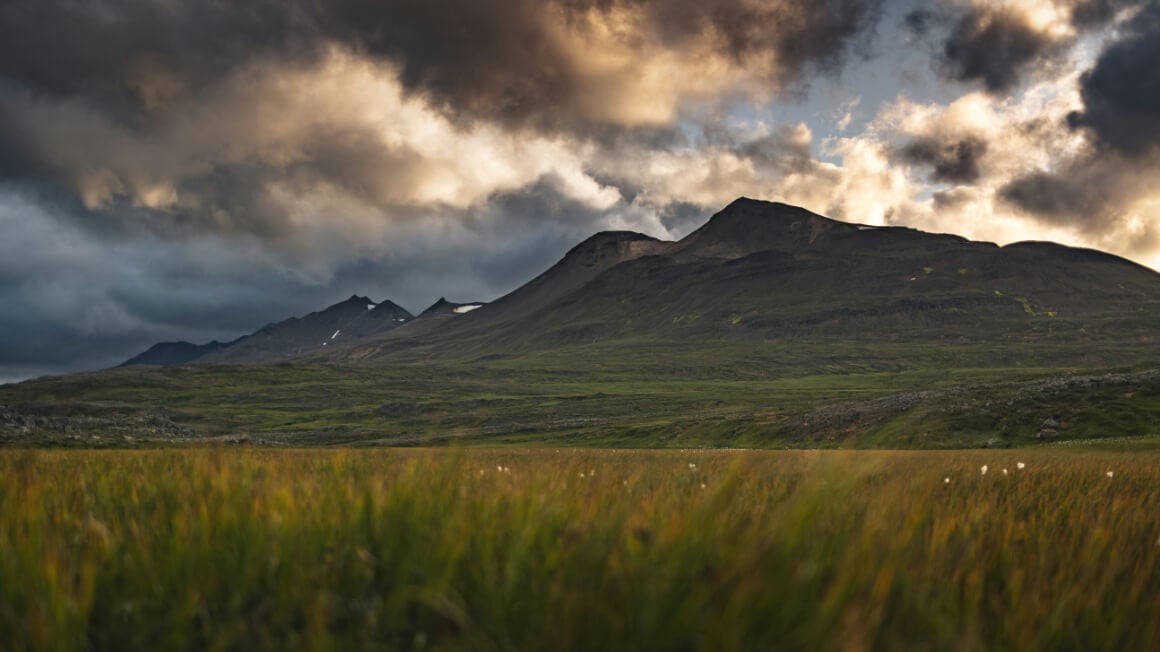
point(749, 402)
point(497, 549)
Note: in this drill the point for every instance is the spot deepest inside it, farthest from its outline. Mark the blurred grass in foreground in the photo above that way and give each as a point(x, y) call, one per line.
point(578, 549)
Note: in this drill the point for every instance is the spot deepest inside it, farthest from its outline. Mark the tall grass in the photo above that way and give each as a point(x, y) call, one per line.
point(557, 550)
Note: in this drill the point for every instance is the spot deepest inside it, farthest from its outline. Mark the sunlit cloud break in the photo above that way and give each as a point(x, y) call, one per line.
point(190, 170)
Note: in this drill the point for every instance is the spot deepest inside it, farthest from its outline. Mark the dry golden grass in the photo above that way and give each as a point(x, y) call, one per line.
point(578, 549)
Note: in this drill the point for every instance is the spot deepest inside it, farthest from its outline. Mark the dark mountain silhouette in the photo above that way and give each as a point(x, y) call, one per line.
point(756, 271)
point(762, 271)
point(166, 354)
point(767, 326)
point(578, 267)
point(445, 307)
point(357, 317)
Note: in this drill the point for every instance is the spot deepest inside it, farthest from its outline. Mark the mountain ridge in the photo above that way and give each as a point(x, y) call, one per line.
point(755, 270)
point(357, 316)
point(768, 327)
point(762, 271)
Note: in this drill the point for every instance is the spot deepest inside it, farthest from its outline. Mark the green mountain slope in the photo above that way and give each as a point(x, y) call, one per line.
point(769, 326)
point(764, 272)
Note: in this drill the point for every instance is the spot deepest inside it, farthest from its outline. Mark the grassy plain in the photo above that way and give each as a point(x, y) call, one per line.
point(771, 395)
point(501, 549)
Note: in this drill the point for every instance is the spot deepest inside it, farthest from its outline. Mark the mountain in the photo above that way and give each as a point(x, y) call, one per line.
point(166, 354)
point(768, 326)
point(766, 272)
point(357, 317)
point(445, 308)
point(351, 319)
point(435, 316)
point(754, 272)
point(579, 266)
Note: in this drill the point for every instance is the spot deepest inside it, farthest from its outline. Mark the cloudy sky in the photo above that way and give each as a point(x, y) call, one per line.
point(192, 169)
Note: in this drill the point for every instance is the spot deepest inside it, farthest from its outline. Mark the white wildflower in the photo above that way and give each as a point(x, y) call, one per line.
point(1111, 474)
point(946, 480)
point(692, 466)
point(983, 469)
point(1004, 471)
point(1020, 465)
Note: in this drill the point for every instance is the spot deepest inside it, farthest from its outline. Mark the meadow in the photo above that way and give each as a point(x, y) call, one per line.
point(542, 549)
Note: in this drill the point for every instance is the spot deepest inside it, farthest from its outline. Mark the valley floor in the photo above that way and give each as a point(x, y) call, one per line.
point(718, 398)
point(508, 549)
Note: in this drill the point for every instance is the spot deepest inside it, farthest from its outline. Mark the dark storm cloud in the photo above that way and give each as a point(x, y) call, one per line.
point(681, 217)
point(97, 96)
point(1000, 46)
point(75, 299)
point(1059, 198)
point(241, 197)
point(119, 53)
point(1095, 13)
point(1092, 193)
point(1121, 115)
point(1121, 93)
point(497, 59)
point(799, 33)
point(919, 21)
point(948, 199)
point(951, 161)
point(491, 59)
point(993, 45)
point(784, 150)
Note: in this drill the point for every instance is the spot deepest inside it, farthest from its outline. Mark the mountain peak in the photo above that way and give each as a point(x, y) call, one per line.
point(742, 202)
point(607, 248)
point(610, 240)
point(750, 225)
point(443, 306)
point(745, 208)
